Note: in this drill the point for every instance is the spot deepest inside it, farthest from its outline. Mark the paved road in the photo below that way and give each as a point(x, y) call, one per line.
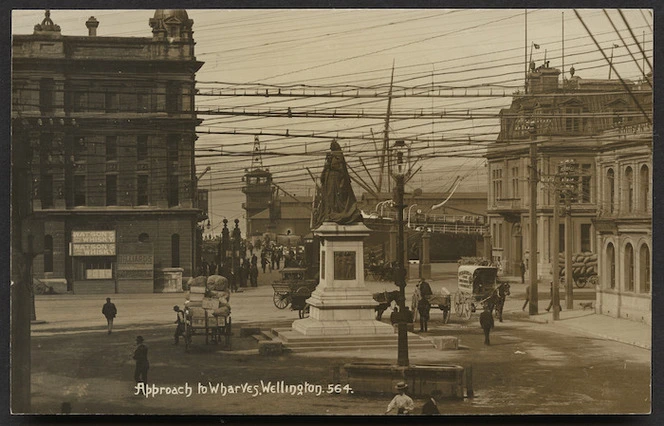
point(529, 368)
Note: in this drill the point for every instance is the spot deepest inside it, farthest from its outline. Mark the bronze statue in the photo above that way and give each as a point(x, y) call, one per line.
point(335, 200)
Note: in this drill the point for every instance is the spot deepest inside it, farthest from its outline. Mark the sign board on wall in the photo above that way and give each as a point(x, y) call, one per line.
point(99, 274)
point(92, 243)
point(135, 261)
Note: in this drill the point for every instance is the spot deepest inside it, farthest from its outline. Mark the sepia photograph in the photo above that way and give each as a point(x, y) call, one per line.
point(331, 211)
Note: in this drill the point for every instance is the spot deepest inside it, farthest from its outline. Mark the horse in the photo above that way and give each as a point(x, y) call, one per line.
point(497, 299)
point(384, 300)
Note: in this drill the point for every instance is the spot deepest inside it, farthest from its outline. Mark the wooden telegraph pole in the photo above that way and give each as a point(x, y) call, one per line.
point(533, 309)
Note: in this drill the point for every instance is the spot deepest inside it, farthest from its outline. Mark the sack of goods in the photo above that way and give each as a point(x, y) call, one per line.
point(583, 264)
point(223, 296)
point(217, 283)
point(222, 311)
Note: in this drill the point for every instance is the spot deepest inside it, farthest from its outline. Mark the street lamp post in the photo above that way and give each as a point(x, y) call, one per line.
point(400, 172)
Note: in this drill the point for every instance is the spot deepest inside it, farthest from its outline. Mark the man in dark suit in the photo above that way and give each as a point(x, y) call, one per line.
point(486, 321)
point(431, 406)
point(109, 312)
point(142, 363)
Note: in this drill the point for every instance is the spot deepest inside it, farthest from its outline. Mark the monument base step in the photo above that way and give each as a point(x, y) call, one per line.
point(297, 342)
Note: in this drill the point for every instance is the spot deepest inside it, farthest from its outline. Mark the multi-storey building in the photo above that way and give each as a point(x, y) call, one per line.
point(577, 119)
point(110, 124)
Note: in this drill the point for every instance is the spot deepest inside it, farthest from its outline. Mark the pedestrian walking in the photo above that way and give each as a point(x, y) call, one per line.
point(431, 406)
point(551, 301)
point(522, 266)
point(142, 363)
point(179, 328)
point(424, 308)
point(525, 303)
point(109, 310)
point(264, 262)
point(402, 402)
point(486, 321)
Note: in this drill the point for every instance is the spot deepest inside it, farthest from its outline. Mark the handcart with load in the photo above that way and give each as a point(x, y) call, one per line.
point(207, 311)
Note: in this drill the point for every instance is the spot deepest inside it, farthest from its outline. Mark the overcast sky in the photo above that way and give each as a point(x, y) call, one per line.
point(466, 48)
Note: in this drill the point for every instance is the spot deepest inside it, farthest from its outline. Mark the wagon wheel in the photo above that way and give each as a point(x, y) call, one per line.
point(281, 300)
point(304, 312)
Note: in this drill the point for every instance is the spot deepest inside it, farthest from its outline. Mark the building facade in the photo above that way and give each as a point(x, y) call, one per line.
point(604, 129)
point(109, 123)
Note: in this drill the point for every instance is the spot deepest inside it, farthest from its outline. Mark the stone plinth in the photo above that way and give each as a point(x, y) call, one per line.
point(446, 342)
point(341, 304)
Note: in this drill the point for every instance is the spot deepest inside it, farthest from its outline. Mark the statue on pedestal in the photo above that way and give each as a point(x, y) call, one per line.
point(335, 200)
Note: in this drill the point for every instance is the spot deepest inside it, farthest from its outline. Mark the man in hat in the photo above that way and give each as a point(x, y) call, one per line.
point(179, 328)
point(402, 402)
point(109, 311)
point(431, 406)
point(486, 321)
point(142, 363)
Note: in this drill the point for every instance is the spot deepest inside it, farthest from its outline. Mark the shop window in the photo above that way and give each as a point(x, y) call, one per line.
point(175, 251)
point(111, 190)
point(48, 253)
point(644, 269)
point(585, 237)
point(142, 198)
point(611, 261)
point(629, 268)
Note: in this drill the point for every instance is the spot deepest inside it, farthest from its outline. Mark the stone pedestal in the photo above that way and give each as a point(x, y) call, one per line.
point(341, 305)
point(172, 280)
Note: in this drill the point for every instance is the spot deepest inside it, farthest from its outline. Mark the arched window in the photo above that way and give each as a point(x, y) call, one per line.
point(48, 253)
point(610, 196)
point(175, 251)
point(645, 187)
point(629, 268)
point(644, 269)
point(629, 189)
point(611, 262)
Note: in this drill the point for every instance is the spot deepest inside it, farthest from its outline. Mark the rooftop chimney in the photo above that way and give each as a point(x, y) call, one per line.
point(92, 25)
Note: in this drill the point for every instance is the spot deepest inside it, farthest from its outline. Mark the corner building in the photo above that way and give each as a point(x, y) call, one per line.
point(608, 133)
point(109, 124)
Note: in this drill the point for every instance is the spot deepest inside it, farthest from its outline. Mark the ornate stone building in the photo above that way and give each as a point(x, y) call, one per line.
point(110, 128)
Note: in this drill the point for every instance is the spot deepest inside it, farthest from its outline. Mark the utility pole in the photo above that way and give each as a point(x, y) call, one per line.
point(533, 308)
point(569, 188)
point(555, 302)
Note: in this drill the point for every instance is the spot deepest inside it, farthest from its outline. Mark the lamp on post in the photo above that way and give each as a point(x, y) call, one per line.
point(400, 171)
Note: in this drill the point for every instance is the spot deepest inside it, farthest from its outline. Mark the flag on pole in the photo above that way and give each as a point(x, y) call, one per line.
point(536, 46)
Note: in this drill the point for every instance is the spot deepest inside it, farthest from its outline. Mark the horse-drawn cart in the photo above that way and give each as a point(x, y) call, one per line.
point(293, 289)
point(478, 285)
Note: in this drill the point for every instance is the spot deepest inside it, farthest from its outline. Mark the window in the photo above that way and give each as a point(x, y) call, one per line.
point(79, 190)
point(610, 175)
point(585, 183)
point(48, 253)
point(644, 269)
point(173, 97)
point(142, 198)
point(585, 237)
point(172, 143)
point(142, 147)
point(629, 189)
point(46, 95)
point(175, 251)
point(111, 190)
point(111, 148)
point(573, 124)
point(497, 178)
point(611, 260)
point(645, 188)
point(79, 149)
point(111, 101)
point(629, 268)
point(515, 182)
point(46, 191)
point(173, 191)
